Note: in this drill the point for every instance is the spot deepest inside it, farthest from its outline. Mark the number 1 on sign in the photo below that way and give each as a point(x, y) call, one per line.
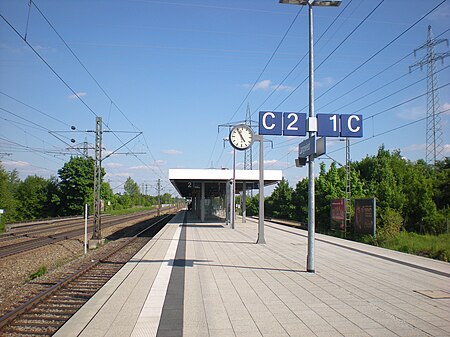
point(334, 119)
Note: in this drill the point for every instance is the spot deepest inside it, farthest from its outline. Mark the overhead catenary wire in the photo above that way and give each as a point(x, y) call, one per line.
point(303, 57)
point(371, 57)
point(329, 55)
point(35, 109)
point(373, 77)
point(259, 77)
point(289, 142)
point(378, 52)
point(112, 102)
point(66, 84)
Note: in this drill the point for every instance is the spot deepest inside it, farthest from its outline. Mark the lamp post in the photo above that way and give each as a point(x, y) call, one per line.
point(312, 125)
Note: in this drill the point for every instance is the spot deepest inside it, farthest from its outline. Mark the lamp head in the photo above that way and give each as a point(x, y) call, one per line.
point(334, 3)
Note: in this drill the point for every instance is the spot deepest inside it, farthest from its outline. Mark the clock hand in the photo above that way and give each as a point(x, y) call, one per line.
point(240, 134)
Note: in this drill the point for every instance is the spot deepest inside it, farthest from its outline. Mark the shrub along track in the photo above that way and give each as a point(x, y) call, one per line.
point(44, 313)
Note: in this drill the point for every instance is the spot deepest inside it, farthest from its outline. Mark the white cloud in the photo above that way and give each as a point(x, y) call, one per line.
point(281, 87)
point(172, 152)
point(265, 85)
point(119, 174)
point(413, 113)
point(446, 150)
point(275, 163)
point(160, 162)
point(262, 85)
point(140, 168)
point(113, 165)
point(414, 148)
point(77, 95)
point(446, 106)
point(326, 81)
point(16, 164)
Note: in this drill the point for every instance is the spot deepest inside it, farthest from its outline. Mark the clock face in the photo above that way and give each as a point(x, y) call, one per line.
point(241, 137)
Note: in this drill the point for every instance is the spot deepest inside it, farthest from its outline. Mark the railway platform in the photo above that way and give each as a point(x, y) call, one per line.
point(205, 279)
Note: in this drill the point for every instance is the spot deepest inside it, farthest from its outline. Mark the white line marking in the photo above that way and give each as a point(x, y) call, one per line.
point(148, 320)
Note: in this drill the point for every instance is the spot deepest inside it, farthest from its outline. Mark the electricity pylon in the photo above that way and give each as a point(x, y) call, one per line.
point(434, 149)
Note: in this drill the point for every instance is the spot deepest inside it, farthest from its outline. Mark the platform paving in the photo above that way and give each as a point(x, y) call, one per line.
point(205, 279)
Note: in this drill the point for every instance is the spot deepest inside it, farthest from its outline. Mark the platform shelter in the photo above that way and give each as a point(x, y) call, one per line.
point(209, 191)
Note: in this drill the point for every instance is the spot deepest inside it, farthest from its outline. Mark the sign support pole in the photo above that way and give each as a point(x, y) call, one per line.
point(311, 187)
point(261, 190)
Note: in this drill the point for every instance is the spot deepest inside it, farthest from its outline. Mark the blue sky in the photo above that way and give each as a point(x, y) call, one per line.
point(176, 70)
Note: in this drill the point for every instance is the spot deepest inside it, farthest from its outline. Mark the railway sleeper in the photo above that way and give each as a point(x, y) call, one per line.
point(79, 293)
point(56, 318)
point(89, 282)
point(58, 305)
point(54, 311)
point(82, 285)
point(27, 323)
point(29, 332)
point(82, 295)
point(99, 278)
point(67, 300)
point(87, 291)
point(61, 304)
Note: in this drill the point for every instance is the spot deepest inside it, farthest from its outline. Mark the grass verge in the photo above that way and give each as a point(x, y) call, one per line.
point(433, 246)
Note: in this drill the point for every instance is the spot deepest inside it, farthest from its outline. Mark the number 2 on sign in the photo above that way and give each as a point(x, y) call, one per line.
point(291, 126)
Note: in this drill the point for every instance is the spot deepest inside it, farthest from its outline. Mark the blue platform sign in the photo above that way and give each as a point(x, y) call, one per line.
point(270, 123)
point(294, 124)
point(351, 126)
point(328, 125)
point(335, 125)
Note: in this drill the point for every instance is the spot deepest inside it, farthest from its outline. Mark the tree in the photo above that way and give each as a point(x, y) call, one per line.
point(300, 201)
point(279, 204)
point(132, 190)
point(77, 184)
point(8, 184)
point(32, 198)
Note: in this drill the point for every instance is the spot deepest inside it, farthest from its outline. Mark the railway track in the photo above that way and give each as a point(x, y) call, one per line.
point(36, 237)
point(43, 314)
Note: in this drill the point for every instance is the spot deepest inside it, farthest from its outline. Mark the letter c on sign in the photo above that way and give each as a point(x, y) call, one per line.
point(267, 127)
point(349, 123)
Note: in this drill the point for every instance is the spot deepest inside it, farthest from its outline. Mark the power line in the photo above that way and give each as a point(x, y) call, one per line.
point(329, 55)
point(267, 64)
point(81, 63)
point(258, 78)
point(373, 77)
point(35, 109)
point(65, 83)
point(365, 62)
point(378, 52)
point(96, 82)
point(301, 60)
point(393, 129)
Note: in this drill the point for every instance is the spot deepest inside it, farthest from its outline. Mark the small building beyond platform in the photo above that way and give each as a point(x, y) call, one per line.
point(209, 190)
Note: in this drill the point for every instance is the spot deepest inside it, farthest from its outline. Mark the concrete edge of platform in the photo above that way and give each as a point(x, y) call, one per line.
point(78, 322)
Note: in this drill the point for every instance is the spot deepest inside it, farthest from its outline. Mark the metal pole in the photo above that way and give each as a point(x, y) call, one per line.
point(159, 197)
point(97, 233)
point(244, 202)
point(261, 190)
point(85, 228)
point(233, 191)
point(311, 187)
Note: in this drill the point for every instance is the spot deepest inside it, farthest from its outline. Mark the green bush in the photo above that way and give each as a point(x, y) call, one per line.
point(390, 226)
